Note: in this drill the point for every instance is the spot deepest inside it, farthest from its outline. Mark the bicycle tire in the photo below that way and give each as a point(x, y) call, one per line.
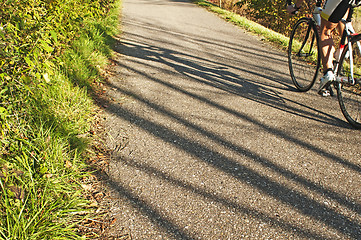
point(304, 57)
point(349, 95)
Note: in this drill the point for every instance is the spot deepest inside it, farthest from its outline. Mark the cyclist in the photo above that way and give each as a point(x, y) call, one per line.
point(332, 13)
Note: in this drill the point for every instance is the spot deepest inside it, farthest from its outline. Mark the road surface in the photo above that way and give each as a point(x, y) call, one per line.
point(211, 140)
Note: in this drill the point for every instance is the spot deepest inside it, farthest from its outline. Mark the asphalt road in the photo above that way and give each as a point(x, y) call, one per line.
point(211, 140)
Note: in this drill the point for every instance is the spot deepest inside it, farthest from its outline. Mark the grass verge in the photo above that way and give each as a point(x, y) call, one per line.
point(268, 34)
point(274, 37)
point(45, 138)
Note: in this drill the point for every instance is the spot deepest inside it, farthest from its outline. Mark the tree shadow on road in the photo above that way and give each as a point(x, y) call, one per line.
point(227, 77)
point(217, 72)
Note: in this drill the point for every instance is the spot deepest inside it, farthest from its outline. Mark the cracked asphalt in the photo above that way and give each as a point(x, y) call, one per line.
point(211, 140)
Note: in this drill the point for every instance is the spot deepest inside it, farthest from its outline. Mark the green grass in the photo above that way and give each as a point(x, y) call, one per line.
point(44, 139)
point(267, 34)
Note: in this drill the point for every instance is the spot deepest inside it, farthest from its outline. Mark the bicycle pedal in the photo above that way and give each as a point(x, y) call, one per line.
point(330, 90)
point(325, 93)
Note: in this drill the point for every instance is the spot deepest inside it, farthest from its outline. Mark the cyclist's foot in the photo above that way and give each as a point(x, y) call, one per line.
point(325, 82)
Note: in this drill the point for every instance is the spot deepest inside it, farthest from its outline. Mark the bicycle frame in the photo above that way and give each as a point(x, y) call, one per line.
point(347, 35)
point(304, 69)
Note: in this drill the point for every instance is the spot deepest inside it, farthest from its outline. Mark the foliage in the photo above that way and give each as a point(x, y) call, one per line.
point(46, 50)
point(251, 26)
point(269, 13)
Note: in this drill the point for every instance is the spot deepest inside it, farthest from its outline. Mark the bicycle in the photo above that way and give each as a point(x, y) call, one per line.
point(304, 62)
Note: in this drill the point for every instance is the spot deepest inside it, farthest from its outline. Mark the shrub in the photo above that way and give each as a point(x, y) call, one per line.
point(269, 13)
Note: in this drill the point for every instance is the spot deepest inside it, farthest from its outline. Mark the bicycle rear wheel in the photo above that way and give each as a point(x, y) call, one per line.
point(349, 95)
point(303, 54)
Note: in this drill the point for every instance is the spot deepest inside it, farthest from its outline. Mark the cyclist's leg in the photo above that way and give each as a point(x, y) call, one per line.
point(340, 28)
point(327, 44)
point(332, 13)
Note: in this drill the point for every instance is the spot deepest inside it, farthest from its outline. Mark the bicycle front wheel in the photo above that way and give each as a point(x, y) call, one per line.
point(348, 93)
point(303, 54)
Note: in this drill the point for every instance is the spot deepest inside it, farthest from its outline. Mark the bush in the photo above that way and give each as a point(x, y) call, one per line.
point(269, 13)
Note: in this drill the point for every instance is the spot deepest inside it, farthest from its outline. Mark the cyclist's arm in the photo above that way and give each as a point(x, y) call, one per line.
point(293, 8)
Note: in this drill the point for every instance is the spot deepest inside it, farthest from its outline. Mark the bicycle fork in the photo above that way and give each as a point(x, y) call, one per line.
point(300, 54)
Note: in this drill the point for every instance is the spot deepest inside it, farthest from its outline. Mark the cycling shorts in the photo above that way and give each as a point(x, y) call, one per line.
point(334, 10)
